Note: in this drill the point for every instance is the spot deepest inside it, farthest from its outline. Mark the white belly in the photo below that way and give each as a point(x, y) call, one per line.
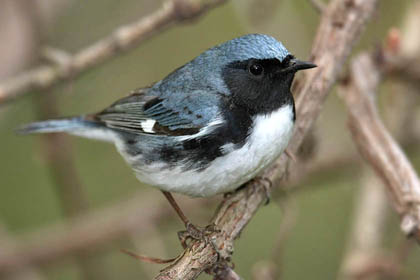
point(268, 139)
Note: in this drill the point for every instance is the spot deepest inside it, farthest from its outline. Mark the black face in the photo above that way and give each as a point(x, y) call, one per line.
point(260, 85)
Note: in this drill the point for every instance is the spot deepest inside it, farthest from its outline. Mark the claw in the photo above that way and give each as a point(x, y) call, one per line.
point(183, 237)
point(192, 232)
point(196, 233)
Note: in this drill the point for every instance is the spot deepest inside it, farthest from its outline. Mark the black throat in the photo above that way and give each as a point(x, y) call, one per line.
point(263, 93)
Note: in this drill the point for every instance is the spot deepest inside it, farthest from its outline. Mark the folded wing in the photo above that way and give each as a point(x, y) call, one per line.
point(176, 114)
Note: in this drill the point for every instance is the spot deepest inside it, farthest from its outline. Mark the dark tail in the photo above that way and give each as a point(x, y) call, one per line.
point(77, 126)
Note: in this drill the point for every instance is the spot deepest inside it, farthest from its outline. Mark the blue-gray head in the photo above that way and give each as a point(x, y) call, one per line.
point(255, 69)
point(251, 46)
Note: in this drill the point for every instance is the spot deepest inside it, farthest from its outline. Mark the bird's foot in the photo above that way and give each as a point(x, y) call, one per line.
point(193, 232)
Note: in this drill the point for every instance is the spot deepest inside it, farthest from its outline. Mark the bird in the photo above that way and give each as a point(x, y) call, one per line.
point(208, 127)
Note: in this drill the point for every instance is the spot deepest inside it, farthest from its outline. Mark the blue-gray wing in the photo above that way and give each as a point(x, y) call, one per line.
point(172, 115)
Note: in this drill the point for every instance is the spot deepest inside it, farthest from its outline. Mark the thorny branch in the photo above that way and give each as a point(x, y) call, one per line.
point(378, 147)
point(122, 39)
point(341, 25)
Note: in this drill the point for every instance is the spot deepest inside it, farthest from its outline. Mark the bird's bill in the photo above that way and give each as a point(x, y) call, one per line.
point(296, 65)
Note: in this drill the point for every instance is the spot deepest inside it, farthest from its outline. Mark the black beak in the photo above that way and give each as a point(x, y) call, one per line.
point(296, 65)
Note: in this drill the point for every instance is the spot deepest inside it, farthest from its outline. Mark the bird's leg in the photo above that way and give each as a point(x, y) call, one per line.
point(177, 209)
point(191, 231)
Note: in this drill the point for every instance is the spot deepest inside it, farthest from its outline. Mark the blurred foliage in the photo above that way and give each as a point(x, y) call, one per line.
point(28, 198)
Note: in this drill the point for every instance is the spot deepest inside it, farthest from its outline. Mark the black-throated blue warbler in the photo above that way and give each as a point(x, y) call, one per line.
point(209, 126)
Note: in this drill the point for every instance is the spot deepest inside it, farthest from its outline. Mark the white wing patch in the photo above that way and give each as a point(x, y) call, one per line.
point(203, 131)
point(147, 125)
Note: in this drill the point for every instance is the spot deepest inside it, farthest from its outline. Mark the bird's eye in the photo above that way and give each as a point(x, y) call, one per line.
point(256, 69)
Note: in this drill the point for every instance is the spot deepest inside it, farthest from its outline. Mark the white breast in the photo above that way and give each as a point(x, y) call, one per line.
point(268, 139)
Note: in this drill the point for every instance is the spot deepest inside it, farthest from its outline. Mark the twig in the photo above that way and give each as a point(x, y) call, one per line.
point(57, 152)
point(367, 230)
point(8, 243)
point(378, 147)
point(122, 39)
point(340, 27)
point(363, 257)
point(68, 185)
point(382, 267)
point(272, 268)
point(155, 244)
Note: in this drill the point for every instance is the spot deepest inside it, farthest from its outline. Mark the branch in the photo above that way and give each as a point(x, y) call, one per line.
point(378, 147)
point(272, 268)
point(341, 25)
point(57, 152)
point(8, 243)
point(367, 230)
point(122, 39)
point(68, 186)
point(363, 257)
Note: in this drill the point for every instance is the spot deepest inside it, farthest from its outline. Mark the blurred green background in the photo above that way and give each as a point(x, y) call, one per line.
point(28, 195)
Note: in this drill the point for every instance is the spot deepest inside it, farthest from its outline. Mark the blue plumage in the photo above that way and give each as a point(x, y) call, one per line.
point(197, 86)
point(208, 126)
point(205, 71)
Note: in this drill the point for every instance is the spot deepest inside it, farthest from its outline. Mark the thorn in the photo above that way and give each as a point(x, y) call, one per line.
point(147, 259)
point(290, 155)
